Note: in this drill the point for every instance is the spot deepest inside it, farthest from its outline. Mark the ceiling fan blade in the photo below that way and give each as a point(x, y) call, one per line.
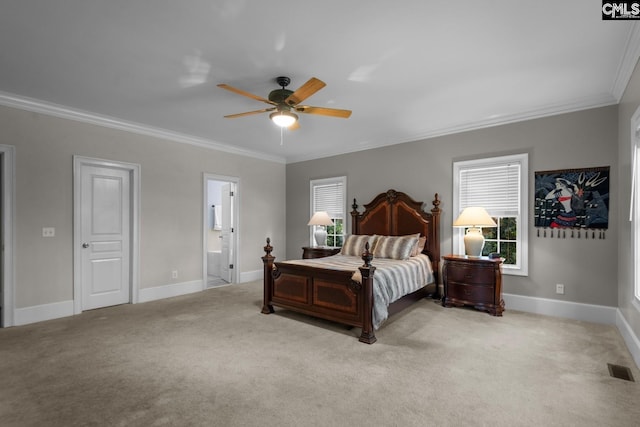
point(331, 112)
point(248, 113)
point(243, 93)
point(306, 90)
point(295, 125)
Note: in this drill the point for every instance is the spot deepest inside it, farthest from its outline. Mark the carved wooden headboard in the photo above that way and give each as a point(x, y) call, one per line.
point(394, 213)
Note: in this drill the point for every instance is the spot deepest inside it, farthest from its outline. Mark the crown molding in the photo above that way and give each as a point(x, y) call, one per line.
point(628, 62)
point(55, 110)
point(546, 111)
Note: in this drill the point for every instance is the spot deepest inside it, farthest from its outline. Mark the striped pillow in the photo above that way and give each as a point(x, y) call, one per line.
point(395, 247)
point(419, 247)
point(354, 244)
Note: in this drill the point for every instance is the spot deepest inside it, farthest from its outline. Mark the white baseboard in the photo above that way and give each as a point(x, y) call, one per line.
point(578, 311)
point(630, 338)
point(250, 276)
point(40, 313)
point(570, 310)
point(168, 291)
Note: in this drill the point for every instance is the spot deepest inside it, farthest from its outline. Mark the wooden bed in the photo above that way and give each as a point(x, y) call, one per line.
point(333, 295)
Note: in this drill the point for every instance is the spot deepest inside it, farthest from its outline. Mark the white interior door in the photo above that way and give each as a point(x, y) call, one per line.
point(105, 235)
point(226, 233)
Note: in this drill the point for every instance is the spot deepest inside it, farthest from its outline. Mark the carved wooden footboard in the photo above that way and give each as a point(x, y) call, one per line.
point(327, 294)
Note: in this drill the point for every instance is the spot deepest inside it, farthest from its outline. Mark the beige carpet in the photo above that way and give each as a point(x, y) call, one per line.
point(211, 359)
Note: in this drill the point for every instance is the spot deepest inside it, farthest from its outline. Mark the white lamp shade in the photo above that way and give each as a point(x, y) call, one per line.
point(320, 219)
point(474, 218)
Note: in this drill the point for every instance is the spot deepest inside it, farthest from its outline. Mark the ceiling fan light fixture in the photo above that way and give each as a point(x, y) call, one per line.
point(283, 118)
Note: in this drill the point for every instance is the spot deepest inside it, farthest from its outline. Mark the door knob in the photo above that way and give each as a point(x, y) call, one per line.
point(85, 245)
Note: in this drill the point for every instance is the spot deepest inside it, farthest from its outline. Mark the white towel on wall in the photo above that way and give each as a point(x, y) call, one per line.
point(215, 218)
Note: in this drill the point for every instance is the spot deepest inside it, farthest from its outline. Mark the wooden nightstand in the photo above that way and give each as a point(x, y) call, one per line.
point(318, 251)
point(473, 281)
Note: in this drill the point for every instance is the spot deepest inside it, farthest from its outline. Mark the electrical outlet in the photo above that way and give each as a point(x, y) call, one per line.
point(560, 288)
point(48, 232)
point(174, 274)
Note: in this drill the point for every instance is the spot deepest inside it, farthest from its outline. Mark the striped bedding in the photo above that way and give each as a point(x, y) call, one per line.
point(392, 279)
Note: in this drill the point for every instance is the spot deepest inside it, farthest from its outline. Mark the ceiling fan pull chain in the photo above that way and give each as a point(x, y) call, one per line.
point(281, 136)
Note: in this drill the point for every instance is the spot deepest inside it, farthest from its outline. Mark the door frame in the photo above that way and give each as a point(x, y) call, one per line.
point(235, 275)
point(7, 157)
point(134, 182)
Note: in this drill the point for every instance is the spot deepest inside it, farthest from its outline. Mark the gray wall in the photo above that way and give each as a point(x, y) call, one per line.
point(171, 201)
point(627, 107)
point(587, 268)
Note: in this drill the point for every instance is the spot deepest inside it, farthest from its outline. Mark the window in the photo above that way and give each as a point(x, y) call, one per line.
point(330, 195)
point(500, 185)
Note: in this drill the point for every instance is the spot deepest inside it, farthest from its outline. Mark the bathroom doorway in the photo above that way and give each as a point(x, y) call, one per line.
point(220, 230)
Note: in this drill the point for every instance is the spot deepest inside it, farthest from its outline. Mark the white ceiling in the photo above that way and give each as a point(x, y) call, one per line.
point(408, 69)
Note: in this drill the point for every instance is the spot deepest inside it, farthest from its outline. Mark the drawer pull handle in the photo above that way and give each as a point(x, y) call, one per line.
point(468, 276)
point(467, 292)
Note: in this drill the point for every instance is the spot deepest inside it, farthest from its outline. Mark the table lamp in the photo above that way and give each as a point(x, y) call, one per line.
point(474, 218)
point(320, 219)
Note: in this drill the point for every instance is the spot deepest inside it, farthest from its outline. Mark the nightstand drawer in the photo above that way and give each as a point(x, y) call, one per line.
point(475, 281)
point(472, 275)
point(473, 294)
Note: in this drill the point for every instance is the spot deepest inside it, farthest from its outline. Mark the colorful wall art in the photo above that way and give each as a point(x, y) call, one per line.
point(576, 200)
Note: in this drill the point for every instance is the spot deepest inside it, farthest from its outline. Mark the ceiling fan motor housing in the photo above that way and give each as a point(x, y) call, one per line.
point(279, 95)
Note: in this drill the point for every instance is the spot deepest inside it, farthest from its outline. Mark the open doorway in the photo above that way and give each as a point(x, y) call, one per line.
point(220, 230)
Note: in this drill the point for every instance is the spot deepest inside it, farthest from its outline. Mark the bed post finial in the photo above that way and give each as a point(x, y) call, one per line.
point(436, 204)
point(268, 248)
point(367, 256)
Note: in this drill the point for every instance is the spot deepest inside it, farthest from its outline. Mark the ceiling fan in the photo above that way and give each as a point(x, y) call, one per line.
point(285, 103)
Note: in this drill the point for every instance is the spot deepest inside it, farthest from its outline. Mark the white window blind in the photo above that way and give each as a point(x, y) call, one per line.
point(495, 188)
point(330, 198)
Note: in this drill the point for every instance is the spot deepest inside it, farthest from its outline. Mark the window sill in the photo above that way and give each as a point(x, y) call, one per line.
point(506, 271)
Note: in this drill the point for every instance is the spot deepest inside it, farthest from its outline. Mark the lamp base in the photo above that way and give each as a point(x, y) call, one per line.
point(320, 236)
point(473, 242)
